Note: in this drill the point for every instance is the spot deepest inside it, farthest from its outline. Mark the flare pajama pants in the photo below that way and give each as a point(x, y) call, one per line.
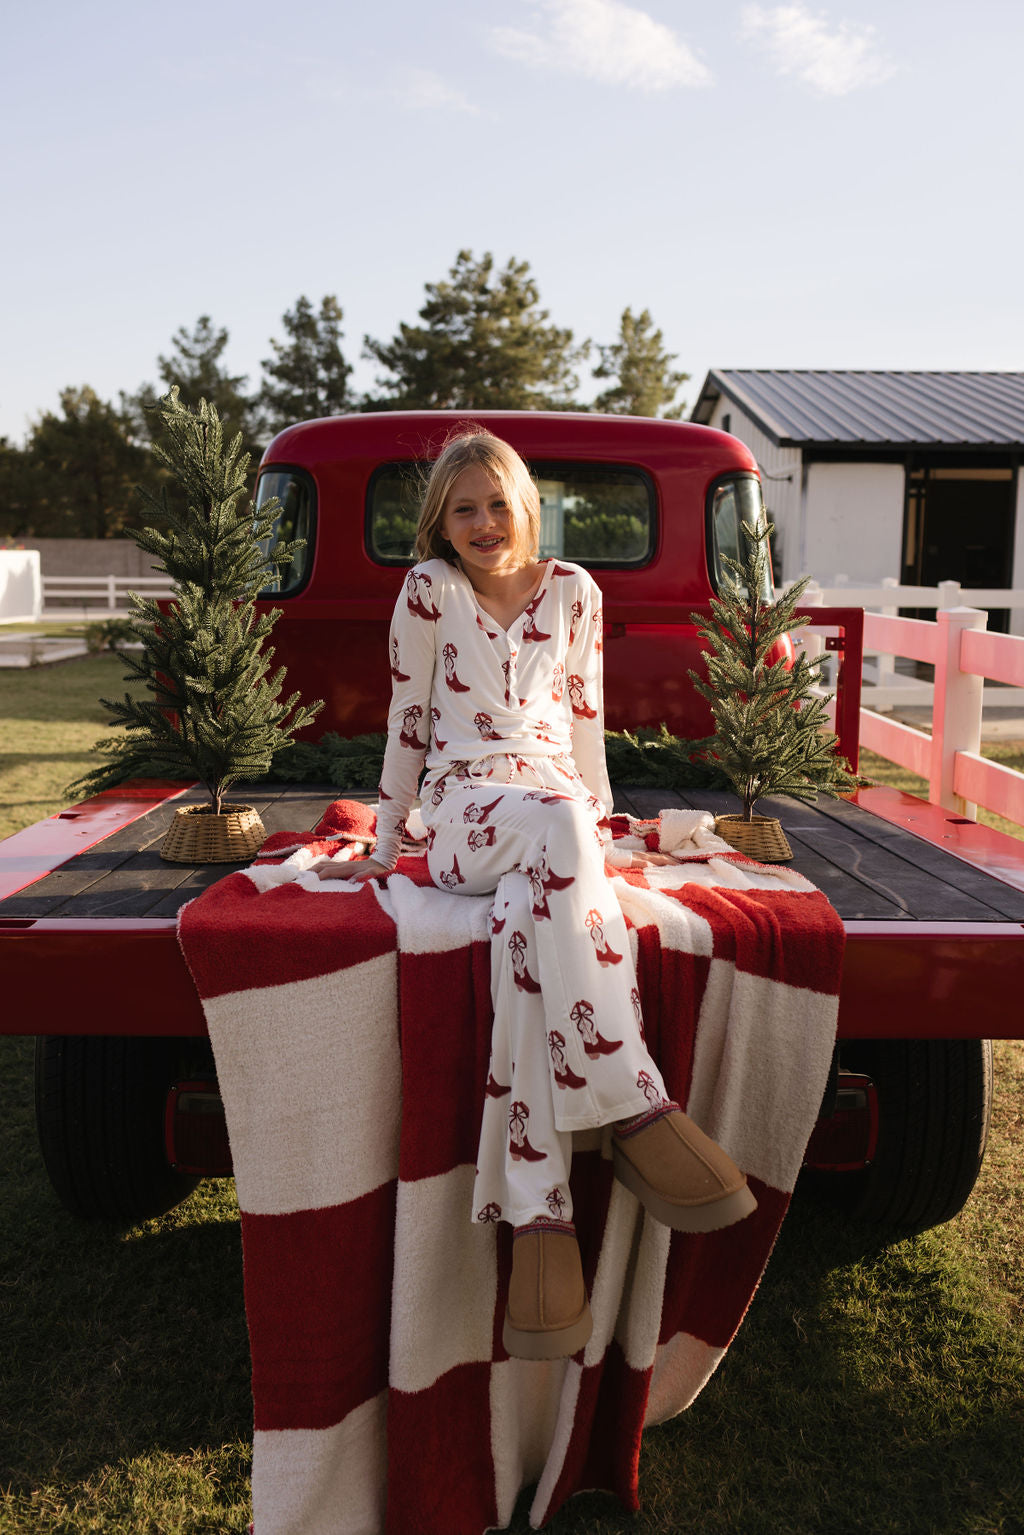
point(567, 1049)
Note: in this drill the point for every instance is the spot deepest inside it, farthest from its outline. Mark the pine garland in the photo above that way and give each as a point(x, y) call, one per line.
point(214, 712)
point(642, 758)
point(772, 733)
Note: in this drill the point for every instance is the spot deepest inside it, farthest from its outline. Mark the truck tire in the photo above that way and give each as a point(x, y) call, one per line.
point(934, 1109)
point(100, 1118)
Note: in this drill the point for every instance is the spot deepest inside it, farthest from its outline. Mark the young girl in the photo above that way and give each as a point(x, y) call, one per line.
point(496, 660)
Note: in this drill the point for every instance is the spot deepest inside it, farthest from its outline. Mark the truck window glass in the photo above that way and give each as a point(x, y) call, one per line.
point(733, 502)
point(595, 514)
point(296, 519)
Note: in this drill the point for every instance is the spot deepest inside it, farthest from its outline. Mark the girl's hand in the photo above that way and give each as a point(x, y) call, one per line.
point(352, 868)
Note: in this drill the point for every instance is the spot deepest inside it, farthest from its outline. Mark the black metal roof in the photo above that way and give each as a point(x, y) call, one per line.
point(860, 407)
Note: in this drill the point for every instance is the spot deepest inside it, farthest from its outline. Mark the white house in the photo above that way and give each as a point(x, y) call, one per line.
point(871, 474)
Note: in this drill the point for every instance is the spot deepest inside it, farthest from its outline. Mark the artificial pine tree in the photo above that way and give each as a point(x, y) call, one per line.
point(214, 712)
point(772, 734)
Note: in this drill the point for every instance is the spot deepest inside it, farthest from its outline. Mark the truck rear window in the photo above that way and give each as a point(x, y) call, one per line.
point(731, 503)
point(296, 520)
point(594, 514)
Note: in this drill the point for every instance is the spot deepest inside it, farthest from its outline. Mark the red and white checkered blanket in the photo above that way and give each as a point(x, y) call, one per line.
point(351, 1030)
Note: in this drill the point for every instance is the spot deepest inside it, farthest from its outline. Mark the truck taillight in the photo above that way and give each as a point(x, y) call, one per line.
point(195, 1131)
point(846, 1141)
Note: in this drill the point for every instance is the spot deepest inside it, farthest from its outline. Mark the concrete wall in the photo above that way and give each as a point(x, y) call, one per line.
point(91, 556)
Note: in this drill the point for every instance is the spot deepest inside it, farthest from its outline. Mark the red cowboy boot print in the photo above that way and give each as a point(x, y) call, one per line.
point(542, 881)
point(563, 1072)
point(578, 699)
point(485, 724)
point(450, 656)
point(452, 878)
point(577, 613)
point(560, 570)
point(582, 1015)
point(410, 724)
point(479, 813)
point(481, 625)
point(396, 664)
point(494, 1088)
point(605, 955)
point(645, 1082)
point(482, 837)
point(435, 720)
point(520, 974)
point(519, 1147)
point(634, 997)
point(490, 1214)
point(555, 1201)
point(416, 603)
point(558, 683)
point(599, 629)
point(496, 923)
point(531, 634)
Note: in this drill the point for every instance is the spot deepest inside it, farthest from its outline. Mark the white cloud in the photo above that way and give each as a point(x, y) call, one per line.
point(832, 61)
point(421, 90)
point(606, 41)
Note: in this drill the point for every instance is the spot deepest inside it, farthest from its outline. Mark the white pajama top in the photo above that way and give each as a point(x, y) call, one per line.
point(465, 689)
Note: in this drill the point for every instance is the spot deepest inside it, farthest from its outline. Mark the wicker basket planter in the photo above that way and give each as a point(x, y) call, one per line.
point(761, 837)
point(197, 835)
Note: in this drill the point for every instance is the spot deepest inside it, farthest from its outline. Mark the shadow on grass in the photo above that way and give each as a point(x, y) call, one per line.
point(116, 1344)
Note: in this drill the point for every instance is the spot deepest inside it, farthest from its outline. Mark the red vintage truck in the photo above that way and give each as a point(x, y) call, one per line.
point(933, 904)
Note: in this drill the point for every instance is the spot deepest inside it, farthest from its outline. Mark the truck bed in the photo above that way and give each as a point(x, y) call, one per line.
point(935, 939)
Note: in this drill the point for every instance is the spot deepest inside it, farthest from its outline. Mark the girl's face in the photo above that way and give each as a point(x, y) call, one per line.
point(480, 525)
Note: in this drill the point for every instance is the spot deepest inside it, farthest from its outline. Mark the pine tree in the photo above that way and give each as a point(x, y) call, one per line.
point(308, 375)
point(646, 383)
point(214, 712)
point(772, 734)
point(485, 344)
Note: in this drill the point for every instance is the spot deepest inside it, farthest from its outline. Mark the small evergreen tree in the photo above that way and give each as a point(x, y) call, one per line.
point(485, 344)
point(214, 712)
point(308, 375)
point(772, 734)
point(646, 384)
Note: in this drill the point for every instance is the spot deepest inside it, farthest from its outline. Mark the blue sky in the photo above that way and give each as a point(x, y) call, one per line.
point(781, 185)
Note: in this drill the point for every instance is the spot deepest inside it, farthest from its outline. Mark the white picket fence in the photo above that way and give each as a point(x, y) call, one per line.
point(109, 593)
point(965, 656)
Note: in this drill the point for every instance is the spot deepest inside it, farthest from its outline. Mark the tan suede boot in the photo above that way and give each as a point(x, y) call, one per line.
point(548, 1315)
point(680, 1175)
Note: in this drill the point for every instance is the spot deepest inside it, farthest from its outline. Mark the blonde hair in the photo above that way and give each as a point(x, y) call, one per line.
point(470, 447)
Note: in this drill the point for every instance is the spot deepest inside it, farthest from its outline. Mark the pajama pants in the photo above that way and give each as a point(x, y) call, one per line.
point(567, 1050)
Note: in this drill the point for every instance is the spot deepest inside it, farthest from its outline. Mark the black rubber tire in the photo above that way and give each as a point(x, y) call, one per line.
point(935, 1106)
point(100, 1118)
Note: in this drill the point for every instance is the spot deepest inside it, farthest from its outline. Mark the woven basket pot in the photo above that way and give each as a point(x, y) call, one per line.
point(761, 837)
point(196, 835)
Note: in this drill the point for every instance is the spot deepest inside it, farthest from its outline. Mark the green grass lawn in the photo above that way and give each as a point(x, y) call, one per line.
point(51, 720)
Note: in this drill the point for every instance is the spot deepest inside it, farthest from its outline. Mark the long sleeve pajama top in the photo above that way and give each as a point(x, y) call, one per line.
point(465, 689)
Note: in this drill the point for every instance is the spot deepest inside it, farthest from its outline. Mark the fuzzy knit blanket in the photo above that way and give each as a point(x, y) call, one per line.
point(351, 1029)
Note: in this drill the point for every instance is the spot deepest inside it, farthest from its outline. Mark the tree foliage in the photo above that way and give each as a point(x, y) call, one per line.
point(213, 710)
point(76, 475)
point(308, 375)
point(196, 369)
point(484, 344)
point(772, 734)
point(646, 384)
